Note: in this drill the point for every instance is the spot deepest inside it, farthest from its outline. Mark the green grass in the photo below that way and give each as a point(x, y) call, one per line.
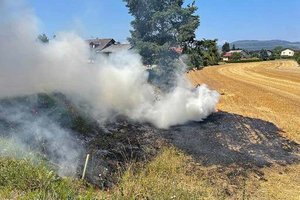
point(23, 179)
point(25, 175)
point(168, 176)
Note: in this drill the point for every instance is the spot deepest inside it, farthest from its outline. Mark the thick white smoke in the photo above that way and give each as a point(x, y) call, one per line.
point(29, 129)
point(114, 85)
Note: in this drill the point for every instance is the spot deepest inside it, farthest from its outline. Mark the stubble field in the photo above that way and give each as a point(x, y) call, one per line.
point(264, 90)
point(269, 91)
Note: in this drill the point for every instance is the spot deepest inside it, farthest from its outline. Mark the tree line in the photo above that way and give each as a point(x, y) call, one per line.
point(263, 54)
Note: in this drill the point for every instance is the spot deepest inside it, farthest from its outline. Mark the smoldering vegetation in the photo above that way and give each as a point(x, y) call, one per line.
point(111, 87)
point(50, 127)
point(37, 125)
point(114, 85)
point(223, 139)
point(58, 106)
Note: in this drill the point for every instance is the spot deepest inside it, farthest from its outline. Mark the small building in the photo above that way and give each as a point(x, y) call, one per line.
point(115, 48)
point(227, 56)
point(287, 53)
point(99, 44)
point(105, 47)
point(243, 53)
point(178, 50)
point(225, 59)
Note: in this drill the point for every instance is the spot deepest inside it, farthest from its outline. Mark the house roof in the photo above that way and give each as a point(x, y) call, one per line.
point(178, 50)
point(100, 43)
point(228, 54)
point(115, 48)
point(288, 49)
point(235, 51)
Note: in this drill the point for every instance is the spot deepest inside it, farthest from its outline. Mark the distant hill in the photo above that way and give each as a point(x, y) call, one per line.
point(252, 45)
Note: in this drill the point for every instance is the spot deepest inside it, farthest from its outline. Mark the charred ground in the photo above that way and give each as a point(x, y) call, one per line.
point(224, 139)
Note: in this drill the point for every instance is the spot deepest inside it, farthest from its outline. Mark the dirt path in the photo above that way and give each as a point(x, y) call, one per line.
point(265, 90)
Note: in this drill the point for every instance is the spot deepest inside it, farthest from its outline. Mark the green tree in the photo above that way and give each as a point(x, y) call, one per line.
point(297, 57)
point(225, 47)
point(277, 52)
point(204, 53)
point(254, 55)
point(236, 56)
point(43, 38)
point(159, 25)
point(209, 52)
point(298, 60)
point(233, 47)
point(264, 55)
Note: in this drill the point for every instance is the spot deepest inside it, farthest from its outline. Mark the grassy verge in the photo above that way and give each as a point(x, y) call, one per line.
point(169, 176)
point(21, 179)
point(24, 175)
point(244, 61)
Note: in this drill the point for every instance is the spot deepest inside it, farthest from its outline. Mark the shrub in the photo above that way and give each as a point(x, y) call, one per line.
point(297, 57)
point(236, 56)
point(298, 60)
point(244, 61)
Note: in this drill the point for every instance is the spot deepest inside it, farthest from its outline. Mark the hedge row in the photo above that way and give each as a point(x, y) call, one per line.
point(244, 61)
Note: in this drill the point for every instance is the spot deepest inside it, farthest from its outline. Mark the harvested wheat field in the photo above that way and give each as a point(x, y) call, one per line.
point(264, 90)
point(269, 91)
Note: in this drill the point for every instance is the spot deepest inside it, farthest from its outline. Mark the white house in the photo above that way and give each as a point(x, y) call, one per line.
point(288, 52)
point(225, 59)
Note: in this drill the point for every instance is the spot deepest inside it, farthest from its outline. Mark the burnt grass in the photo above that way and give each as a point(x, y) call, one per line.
point(227, 140)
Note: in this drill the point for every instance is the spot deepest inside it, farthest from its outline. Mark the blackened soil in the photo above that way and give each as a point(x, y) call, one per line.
point(223, 139)
point(226, 138)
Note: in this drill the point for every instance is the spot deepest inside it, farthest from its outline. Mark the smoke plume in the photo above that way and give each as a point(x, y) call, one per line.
point(114, 85)
point(33, 131)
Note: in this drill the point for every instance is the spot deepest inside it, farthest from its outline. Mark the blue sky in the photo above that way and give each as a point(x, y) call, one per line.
point(226, 20)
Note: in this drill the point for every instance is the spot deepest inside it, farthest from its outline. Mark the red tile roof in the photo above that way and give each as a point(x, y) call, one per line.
point(178, 50)
point(227, 54)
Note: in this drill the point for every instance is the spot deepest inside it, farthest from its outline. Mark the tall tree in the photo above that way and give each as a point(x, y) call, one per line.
point(233, 47)
point(225, 47)
point(159, 25)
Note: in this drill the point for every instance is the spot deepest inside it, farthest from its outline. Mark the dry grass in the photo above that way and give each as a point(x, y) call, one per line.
point(281, 183)
point(268, 91)
point(169, 176)
point(264, 90)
